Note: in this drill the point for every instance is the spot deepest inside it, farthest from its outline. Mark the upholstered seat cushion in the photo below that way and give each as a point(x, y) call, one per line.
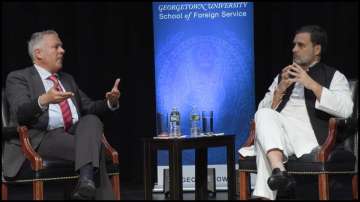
point(249, 163)
point(338, 161)
point(54, 168)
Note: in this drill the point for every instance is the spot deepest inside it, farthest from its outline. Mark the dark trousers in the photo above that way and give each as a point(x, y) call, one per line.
point(81, 144)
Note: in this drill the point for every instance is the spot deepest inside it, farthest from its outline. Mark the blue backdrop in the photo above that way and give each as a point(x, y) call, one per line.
point(204, 57)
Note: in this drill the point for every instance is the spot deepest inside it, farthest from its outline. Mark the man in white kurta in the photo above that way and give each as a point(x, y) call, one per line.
point(289, 132)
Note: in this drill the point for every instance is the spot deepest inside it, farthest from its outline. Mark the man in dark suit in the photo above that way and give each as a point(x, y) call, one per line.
point(63, 122)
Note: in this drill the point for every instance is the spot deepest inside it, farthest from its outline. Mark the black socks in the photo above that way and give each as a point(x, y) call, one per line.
point(87, 171)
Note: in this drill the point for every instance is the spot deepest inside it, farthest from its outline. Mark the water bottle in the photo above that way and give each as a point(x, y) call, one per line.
point(195, 119)
point(175, 123)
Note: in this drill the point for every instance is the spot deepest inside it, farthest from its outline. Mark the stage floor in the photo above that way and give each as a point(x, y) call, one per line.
point(340, 190)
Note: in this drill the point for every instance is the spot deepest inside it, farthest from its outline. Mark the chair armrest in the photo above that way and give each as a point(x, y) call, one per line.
point(251, 137)
point(250, 140)
point(110, 151)
point(28, 151)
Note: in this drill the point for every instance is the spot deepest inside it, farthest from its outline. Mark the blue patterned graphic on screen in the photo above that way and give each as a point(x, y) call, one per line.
point(204, 58)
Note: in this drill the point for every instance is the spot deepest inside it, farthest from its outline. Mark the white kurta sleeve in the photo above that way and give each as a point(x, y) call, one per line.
point(337, 99)
point(267, 100)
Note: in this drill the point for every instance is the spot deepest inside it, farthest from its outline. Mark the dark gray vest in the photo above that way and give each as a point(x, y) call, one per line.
point(323, 75)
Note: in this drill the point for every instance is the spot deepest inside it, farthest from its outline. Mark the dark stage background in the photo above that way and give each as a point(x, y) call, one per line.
point(104, 41)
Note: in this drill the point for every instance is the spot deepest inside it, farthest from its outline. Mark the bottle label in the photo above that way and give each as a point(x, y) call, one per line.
point(174, 118)
point(195, 117)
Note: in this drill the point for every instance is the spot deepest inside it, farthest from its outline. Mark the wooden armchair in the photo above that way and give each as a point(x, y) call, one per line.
point(37, 170)
point(338, 155)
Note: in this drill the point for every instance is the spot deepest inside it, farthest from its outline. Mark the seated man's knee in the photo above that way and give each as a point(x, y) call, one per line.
point(91, 119)
point(264, 113)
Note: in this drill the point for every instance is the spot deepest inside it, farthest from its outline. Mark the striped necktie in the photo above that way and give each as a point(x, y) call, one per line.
point(64, 105)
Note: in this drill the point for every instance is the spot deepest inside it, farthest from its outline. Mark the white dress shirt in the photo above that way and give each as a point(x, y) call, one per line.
point(55, 114)
point(335, 100)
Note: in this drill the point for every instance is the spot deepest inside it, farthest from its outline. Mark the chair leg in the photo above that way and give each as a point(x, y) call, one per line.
point(323, 180)
point(4, 191)
point(115, 180)
point(244, 185)
point(355, 187)
point(38, 190)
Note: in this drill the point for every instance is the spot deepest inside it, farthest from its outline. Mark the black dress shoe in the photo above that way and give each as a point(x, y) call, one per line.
point(281, 180)
point(85, 190)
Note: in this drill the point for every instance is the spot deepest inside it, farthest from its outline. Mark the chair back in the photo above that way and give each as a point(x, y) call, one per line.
point(9, 129)
point(5, 111)
point(350, 131)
